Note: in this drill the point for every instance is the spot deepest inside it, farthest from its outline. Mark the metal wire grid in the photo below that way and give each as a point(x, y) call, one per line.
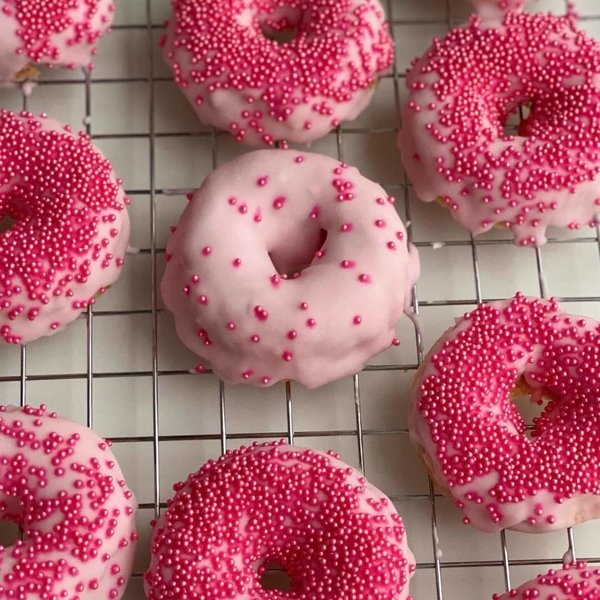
point(223, 436)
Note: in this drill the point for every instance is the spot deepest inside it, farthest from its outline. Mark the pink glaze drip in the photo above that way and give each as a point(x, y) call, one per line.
point(275, 294)
point(272, 503)
point(61, 483)
point(50, 274)
point(473, 436)
point(461, 94)
point(52, 32)
point(239, 79)
point(576, 581)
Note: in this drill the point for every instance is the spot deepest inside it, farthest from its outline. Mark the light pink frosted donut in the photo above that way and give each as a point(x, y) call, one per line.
point(61, 483)
point(472, 437)
point(70, 227)
point(263, 91)
point(574, 582)
point(461, 93)
point(260, 218)
point(335, 534)
point(50, 32)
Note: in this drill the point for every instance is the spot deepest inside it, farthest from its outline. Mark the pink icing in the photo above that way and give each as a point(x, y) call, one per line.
point(49, 274)
point(50, 32)
point(462, 92)
point(303, 509)
point(265, 303)
point(264, 91)
point(472, 436)
point(574, 582)
point(61, 483)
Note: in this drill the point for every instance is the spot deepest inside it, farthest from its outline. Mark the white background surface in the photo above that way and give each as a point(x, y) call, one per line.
point(128, 386)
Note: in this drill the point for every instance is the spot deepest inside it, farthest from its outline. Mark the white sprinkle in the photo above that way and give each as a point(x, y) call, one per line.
point(27, 87)
point(132, 250)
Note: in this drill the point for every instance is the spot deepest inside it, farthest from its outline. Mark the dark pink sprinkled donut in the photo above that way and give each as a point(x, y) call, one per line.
point(61, 483)
point(473, 438)
point(576, 581)
point(332, 532)
point(461, 94)
point(50, 32)
point(69, 229)
point(263, 91)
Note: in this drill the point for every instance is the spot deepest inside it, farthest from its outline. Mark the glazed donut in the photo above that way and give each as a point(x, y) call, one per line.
point(69, 229)
point(471, 436)
point(461, 93)
point(233, 278)
point(263, 91)
point(61, 483)
point(331, 531)
point(574, 582)
point(57, 33)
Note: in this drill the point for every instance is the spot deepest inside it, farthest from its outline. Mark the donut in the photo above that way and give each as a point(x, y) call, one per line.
point(263, 90)
point(461, 93)
point(62, 485)
point(333, 533)
point(68, 228)
point(472, 437)
point(56, 33)
point(576, 581)
point(234, 281)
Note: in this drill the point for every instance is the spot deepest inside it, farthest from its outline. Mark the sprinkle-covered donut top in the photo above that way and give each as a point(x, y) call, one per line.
point(574, 582)
point(61, 483)
point(463, 91)
point(68, 225)
point(264, 91)
point(318, 519)
point(52, 32)
point(475, 441)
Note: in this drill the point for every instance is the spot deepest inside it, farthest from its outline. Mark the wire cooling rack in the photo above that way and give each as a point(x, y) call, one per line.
point(122, 371)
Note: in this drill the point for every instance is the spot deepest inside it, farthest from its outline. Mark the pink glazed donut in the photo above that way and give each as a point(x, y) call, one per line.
point(461, 93)
point(50, 32)
point(61, 483)
point(69, 229)
point(473, 439)
point(335, 534)
point(234, 277)
point(574, 582)
point(239, 80)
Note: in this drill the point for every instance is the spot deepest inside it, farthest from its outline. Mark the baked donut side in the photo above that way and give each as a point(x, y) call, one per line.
point(320, 520)
point(59, 33)
point(62, 484)
point(263, 91)
point(236, 280)
point(475, 442)
point(69, 227)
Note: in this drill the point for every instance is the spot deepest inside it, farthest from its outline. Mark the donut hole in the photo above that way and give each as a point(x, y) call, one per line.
point(6, 223)
point(529, 403)
point(280, 37)
point(282, 25)
point(273, 577)
point(295, 253)
point(515, 123)
point(11, 510)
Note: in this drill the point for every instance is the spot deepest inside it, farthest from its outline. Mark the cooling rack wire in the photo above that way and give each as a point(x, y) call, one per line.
point(353, 416)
